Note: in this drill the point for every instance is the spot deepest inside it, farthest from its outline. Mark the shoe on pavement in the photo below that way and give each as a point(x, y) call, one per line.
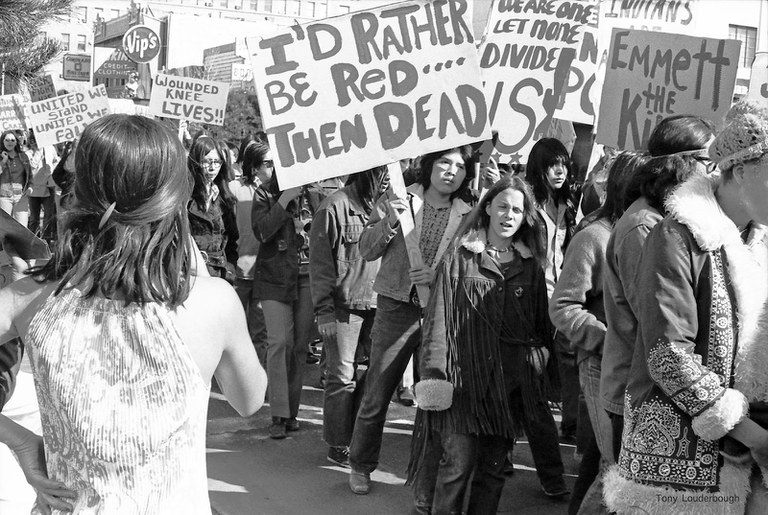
point(312, 359)
point(360, 482)
point(277, 429)
point(406, 397)
point(291, 424)
point(339, 455)
point(557, 492)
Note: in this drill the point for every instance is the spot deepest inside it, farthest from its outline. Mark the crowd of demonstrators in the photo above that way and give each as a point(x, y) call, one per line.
point(344, 300)
point(123, 320)
point(438, 202)
point(484, 362)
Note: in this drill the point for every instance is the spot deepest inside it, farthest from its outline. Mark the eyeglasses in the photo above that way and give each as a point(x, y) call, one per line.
point(706, 161)
point(215, 163)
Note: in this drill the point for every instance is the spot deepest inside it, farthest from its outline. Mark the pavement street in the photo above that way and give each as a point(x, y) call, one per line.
point(251, 474)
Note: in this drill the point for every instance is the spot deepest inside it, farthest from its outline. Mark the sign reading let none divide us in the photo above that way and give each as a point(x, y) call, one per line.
point(345, 94)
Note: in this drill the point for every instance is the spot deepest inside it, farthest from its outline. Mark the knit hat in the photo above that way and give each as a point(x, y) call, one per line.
point(746, 106)
point(743, 139)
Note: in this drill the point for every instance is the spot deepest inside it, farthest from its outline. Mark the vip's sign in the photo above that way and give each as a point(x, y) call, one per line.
point(141, 44)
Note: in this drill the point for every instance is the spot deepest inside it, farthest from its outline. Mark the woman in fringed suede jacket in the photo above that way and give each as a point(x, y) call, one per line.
point(484, 362)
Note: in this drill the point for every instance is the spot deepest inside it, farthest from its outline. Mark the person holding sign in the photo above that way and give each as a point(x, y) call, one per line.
point(695, 438)
point(15, 173)
point(212, 207)
point(486, 333)
point(124, 333)
point(439, 201)
point(41, 189)
point(281, 221)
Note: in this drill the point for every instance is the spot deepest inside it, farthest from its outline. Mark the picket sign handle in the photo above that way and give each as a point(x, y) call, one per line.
point(397, 185)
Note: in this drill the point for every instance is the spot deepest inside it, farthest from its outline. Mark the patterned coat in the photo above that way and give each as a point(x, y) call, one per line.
point(697, 362)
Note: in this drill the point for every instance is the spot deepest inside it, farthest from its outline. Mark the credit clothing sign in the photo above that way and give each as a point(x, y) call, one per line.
point(345, 94)
point(652, 75)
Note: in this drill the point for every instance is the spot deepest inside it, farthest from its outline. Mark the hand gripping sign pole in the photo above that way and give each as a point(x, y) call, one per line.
point(397, 185)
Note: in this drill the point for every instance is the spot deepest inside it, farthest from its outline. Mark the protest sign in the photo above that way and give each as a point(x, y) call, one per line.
point(63, 118)
point(526, 60)
point(652, 75)
point(185, 98)
point(12, 114)
point(344, 94)
point(758, 78)
point(41, 88)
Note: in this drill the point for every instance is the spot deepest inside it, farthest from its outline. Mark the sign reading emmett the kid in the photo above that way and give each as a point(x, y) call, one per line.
point(184, 98)
point(652, 75)
point(369, 88)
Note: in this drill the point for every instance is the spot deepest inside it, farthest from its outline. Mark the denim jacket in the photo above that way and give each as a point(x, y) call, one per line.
point(339, 276)
point(380, 240)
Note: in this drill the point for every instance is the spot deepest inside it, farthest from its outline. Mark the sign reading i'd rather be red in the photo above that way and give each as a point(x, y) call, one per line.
point(141, 44)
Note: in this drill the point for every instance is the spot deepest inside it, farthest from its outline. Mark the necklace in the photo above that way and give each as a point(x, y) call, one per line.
point(498, 250)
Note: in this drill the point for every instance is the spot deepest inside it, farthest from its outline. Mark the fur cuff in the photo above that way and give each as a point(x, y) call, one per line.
point(434, 394)
point(717, 420)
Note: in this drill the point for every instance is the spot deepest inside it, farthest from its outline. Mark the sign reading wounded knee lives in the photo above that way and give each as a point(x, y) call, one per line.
point(63, 118)
point(652, 75)
point(344, 94)
point(184, 98)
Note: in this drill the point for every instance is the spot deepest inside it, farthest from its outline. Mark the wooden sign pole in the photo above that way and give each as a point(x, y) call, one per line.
point(397, 184)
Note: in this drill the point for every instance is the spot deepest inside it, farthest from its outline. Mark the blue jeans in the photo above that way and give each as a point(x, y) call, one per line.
point(352, 328)
point(289, 328)
point(396, 334)
point(442, 486)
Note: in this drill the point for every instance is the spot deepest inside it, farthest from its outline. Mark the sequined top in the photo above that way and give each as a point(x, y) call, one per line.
point(123, 406)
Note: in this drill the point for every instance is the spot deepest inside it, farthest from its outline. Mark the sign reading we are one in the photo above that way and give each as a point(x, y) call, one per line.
point(369, 88)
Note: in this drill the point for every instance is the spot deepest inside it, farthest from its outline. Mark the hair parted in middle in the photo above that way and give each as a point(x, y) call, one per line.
point(427, 161)
point(202, 146)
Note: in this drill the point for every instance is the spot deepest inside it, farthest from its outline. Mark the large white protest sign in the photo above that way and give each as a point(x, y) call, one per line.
point(185, 98)
point(652, 75)
point(63, 118)
point(12, 114)
point(526, 60)
point(342, 95)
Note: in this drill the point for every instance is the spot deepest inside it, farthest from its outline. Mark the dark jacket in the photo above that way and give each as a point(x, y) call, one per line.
point(339, 276)
point(10, 359)
point(215, 232)
point(277, 266)
point(5, 177)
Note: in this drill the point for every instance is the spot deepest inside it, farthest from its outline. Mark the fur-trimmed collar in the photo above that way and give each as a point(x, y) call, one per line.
point(476, 241)
point(694, 205)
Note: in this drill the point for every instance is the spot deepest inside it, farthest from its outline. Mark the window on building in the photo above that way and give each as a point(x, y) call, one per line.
point(82, 14)
point(99, 12)
point(748, 38)
point(254, 5)
point(224, 3)
point(65, 42)
point(268, 5)
point(81, 42)
point(308, 9)
point(114, 13)
point(293, 8)
point(344, 9)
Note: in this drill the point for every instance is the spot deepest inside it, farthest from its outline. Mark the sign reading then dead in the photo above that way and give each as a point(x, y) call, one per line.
point(341, 95)
point(652, 75)
point(184, 98)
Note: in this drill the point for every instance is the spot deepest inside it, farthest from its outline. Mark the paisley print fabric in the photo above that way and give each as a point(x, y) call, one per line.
point(123, 406)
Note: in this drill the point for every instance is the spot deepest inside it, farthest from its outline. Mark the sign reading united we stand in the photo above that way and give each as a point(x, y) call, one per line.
point(344, 94)
point(63, 118)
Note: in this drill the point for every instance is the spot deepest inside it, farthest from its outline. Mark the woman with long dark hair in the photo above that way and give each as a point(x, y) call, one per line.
point(212, 207)
point(124, 337)
point(484, 355)
point(15, 174)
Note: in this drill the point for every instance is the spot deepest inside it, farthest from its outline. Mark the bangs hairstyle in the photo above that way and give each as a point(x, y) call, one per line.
point(427, 161)
point(142, 253)
point(201, 147)
point(253, 157)
point(17, 148)
point(531, 231)
point(545, 153)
